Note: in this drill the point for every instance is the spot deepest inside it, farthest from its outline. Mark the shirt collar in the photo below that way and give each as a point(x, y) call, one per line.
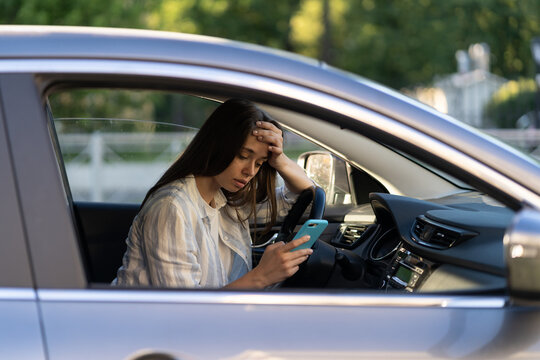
point(220, 200)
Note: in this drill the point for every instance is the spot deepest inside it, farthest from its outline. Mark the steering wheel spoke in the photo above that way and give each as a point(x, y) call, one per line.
point(315, 197)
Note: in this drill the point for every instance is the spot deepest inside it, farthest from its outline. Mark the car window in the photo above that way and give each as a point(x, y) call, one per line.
point(115, 144)
point(116, 160)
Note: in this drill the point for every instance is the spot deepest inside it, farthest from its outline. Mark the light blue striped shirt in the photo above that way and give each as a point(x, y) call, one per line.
point(170, 243)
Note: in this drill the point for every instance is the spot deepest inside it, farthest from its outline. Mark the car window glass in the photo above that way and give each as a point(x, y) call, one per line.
point(115, 144)
point(117, 160)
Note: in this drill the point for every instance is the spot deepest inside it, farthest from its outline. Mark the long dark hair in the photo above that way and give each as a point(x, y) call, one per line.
point(214, 147)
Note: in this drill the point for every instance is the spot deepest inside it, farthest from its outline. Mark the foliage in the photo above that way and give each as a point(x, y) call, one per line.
point(255, 21)
point(405, 42)
point(142, 106)
point(396, 42)
point(513, 100)
point(125, 13)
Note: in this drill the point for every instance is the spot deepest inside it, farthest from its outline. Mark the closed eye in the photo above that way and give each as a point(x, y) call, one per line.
point(246, 152)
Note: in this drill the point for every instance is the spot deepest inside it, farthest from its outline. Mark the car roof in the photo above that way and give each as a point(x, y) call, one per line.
point(72, 42)
point(37, 42)
point(67, 42)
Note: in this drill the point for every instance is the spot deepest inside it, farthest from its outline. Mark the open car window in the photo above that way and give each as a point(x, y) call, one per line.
point(400, 225)
point(115, 144)
point(117, 160)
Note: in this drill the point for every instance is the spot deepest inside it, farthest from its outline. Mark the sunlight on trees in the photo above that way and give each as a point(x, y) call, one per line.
point(170, 15)
point(399, 43)
point(306, 32)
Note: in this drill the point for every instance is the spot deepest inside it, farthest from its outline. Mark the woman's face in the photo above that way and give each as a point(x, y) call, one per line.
point(244, 166)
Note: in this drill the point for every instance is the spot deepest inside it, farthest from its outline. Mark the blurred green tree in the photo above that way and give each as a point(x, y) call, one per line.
point(512, 101)
point(396, 42)
point(125, 13)
point(255, 21)
point(404, 42)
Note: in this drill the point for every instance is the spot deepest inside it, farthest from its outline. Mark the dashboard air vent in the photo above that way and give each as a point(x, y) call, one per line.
point(352, 233)
point(431, 233)
point(349, 236)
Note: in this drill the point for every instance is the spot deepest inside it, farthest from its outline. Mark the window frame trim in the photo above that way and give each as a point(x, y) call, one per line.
point(57, 69)
point(349, 299)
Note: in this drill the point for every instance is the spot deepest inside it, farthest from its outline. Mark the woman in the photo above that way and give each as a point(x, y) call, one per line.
point(192, 229)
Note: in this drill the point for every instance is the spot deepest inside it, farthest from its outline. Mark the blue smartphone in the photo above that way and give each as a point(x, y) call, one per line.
point(313, 228)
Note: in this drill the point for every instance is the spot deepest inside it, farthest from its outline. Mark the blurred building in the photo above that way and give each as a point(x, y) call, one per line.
point(470, 89)
point(535, 50)
point(464, 94)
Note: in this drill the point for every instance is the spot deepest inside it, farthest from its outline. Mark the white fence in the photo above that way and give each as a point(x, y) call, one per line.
point(122, 167)
point(118, 167)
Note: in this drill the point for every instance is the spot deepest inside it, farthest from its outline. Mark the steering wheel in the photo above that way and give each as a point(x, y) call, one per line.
point(315, 196)
point(316, 271)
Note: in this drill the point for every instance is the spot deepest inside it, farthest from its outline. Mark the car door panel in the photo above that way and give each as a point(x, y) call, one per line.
point(20, 331)
point(46, 212)
point(187, 326)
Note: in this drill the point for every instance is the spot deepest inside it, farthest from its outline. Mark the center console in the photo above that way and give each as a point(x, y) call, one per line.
point(407, 271)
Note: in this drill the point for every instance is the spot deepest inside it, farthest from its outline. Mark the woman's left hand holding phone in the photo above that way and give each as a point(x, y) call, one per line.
point(279, 262)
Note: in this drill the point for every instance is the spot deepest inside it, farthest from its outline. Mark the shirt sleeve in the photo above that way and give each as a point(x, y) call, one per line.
point(172, 252)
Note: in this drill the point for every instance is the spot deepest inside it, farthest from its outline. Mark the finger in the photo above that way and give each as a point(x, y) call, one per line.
point(268, 129)
point(275, 150)
point(275, 245)
point(266, 132)
point(268, 137)
point(299, 260)
point(287, 273)
point(293, 271)
point(294, 256)
point(297, 242)
point(298, 256)
point(269, 126)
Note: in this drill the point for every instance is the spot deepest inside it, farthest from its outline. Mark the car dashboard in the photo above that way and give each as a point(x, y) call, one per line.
point(405, 244)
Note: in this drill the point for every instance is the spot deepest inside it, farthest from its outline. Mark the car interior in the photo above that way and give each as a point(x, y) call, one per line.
point(395, 224)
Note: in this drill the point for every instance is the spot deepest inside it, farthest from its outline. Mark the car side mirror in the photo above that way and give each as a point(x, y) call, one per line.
point(330, 173)
point(522, 254)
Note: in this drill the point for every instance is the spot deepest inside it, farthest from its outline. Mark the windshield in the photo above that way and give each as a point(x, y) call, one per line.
point(526, 141)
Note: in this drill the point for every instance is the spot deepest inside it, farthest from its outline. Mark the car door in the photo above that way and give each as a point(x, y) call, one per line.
point(82, 319)
point(20, 325)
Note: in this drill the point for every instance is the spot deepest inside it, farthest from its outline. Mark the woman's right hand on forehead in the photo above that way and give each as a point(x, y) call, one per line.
point(295, 177)
point(270, 134)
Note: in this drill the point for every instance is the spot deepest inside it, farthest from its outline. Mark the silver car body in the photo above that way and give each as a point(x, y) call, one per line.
point(50, 311)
